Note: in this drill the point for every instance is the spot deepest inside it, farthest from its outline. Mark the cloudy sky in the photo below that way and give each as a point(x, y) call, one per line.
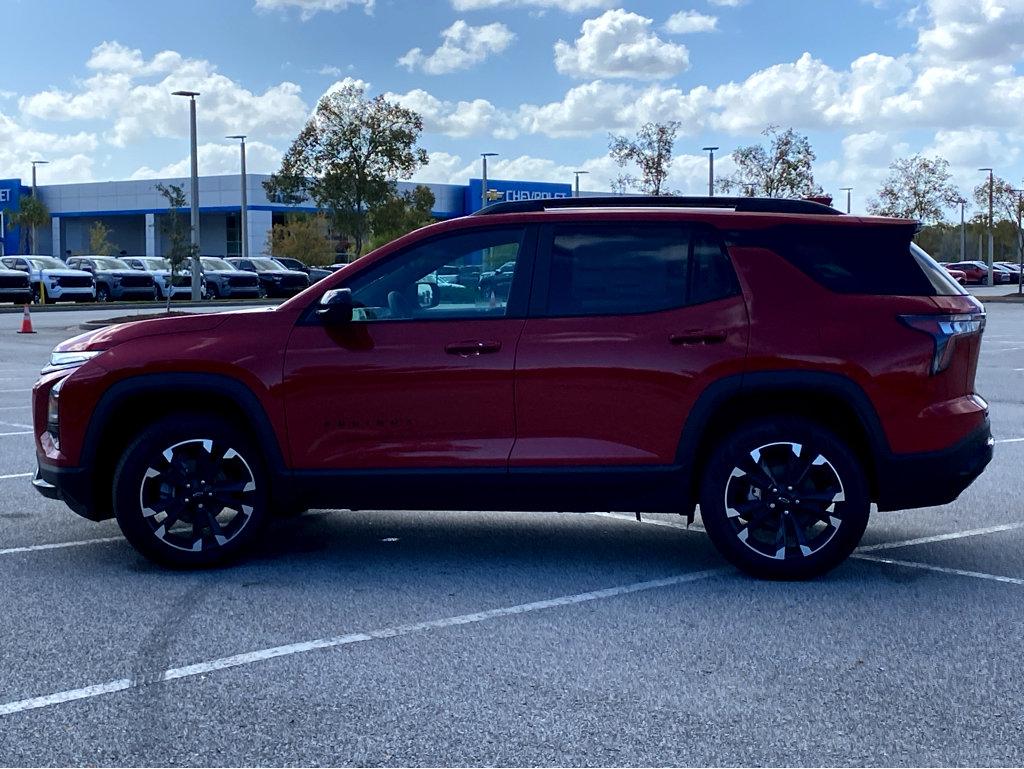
point(542, 82)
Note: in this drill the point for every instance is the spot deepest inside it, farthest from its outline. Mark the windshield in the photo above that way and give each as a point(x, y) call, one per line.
point(209, 263)
point(262, 263)
point(109, 263)
point(156, 264)
point(47, 263)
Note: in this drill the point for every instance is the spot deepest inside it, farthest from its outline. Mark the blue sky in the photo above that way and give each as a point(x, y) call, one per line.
point(542, 82)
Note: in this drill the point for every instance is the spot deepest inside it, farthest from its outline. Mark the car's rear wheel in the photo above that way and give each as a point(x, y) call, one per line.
point(784, 499)
point(191, 491)
point(102, 293)
point(212, 292)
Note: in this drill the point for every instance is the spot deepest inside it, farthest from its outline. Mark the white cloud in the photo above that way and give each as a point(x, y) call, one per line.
point(686, 22)
point(571, 6)
point(123, 92)
point(979, 30)
point(728, 3)
point(463, 46)
point(309, 8)
point(69, 155)
point(217, 160)
point(478, 117)
point(620, 44)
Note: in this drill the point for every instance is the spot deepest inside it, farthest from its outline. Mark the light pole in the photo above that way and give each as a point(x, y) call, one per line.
point(245, 200)
point(991, 246)
point(578, 174)
point(34, 164)
point(1020, 241)
point(711, 170)
point(196, 277)
point(483, 191)
point(963, 231)
point(849, 193)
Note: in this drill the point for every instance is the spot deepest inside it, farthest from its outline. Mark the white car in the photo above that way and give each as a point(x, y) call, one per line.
point(160, 270)
point(54, 277)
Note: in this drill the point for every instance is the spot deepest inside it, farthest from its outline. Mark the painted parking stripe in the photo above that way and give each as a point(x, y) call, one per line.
point(15, 424)
point(15, 475)
point(20, 432)
point(940, 569)
point(261, 655)
point(941, 537)
point(26, 407)
point(58, 545)
point(1010, 440)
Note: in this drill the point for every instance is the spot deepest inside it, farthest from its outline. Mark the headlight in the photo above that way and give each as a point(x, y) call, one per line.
point(53, 412)
point(68, 360)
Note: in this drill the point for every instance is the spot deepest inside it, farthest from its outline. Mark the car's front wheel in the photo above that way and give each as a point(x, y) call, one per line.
point(191, 491)
point(784, 499)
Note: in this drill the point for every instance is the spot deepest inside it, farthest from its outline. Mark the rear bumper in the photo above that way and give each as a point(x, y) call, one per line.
point(935, 477)
point(71, 485)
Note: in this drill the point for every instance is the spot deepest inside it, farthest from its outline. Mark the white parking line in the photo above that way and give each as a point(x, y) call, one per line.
point(940, 569)
point(15, 424)
point(15, 475)
point(26, 407)
point(20, 432)
point(941, 537)
point(1010, 440)
point(58, 545)
point(249, 658)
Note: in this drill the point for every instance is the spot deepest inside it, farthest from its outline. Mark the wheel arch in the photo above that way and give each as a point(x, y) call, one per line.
point(127, 407)
point(831, 400)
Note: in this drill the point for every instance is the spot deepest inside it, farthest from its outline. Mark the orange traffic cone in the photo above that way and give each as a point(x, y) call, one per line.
point(26, 322)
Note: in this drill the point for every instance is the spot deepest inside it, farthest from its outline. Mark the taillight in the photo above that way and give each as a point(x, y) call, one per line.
point(944, 331)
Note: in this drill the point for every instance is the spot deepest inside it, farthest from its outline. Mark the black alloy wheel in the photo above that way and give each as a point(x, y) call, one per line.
point(785, 500)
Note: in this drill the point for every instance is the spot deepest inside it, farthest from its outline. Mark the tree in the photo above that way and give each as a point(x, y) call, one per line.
point(99, 240)
point(650, 151)
point(348, 156)
point(401, 214)
point(917, 187)
point(1007, 206)
point(782, 169)
point(31, 215)
point(178, 232)
point(302, 237)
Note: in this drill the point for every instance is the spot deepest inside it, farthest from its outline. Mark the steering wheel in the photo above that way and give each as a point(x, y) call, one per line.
point(398, 305)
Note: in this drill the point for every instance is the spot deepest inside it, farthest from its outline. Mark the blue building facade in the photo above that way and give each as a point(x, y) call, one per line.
point(133, 210)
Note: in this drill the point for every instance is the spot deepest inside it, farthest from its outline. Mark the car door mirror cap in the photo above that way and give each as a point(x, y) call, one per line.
point(336, 307)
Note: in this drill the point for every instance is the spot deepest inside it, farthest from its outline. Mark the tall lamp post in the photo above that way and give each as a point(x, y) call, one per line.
point(483, 189)
point(34, 164)
point(711, 170)
point(1020, 241)
point(990, 280)
point(578, 174)
point(196, 277)
point(849, 196)
point(245, 200)
point(963, 230)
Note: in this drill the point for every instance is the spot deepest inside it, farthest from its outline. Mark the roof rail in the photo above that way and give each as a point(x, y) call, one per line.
point(740, 204)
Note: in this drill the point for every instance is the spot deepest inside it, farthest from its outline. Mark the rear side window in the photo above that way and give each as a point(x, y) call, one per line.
point(861, 260)
point(638, 268)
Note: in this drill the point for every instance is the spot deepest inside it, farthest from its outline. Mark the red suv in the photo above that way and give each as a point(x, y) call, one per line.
point(774, 361)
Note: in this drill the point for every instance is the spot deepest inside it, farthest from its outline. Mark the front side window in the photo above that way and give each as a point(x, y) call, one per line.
point(464, 275)
point(635, 268)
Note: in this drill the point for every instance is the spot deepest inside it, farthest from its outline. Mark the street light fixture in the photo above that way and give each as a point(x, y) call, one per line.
point(483, 192)
point(196, 278)
point(578, 174)
point(34, 164)
point(711, 170)
point(849, 193)
point(991, 246)
point(245, 200)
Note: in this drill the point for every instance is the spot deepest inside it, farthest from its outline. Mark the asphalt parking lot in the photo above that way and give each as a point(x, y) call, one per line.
point(467, 638)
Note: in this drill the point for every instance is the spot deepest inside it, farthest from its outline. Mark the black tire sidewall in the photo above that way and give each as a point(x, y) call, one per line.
point(856, 509)
point(136, 458)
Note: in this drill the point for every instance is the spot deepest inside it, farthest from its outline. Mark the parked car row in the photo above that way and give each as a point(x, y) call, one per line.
point(38, 279)
point(976, 272)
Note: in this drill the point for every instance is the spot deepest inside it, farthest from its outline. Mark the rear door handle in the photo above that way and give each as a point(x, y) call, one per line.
point(692, 338)
point(472, 347)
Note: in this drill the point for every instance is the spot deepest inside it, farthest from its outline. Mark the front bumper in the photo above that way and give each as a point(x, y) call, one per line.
point(71, 485)
point(936, 477)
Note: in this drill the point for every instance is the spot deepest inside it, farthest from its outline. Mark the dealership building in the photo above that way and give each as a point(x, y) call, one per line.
point(134, 210)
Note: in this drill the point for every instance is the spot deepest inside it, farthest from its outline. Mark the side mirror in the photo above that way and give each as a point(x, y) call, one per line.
point(336, 307)
point(428, 295)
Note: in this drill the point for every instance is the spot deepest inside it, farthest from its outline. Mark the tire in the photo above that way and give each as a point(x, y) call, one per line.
point(212, 292)
point(261, 292)
point(174, 471)
point(102, 293)
point(784, 498)
point(37, 294)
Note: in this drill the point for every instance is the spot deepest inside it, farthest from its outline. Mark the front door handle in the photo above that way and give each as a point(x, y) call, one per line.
point(472, 347)
point(692, 338)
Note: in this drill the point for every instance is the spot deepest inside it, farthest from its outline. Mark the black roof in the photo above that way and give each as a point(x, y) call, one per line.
point(740, 204)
